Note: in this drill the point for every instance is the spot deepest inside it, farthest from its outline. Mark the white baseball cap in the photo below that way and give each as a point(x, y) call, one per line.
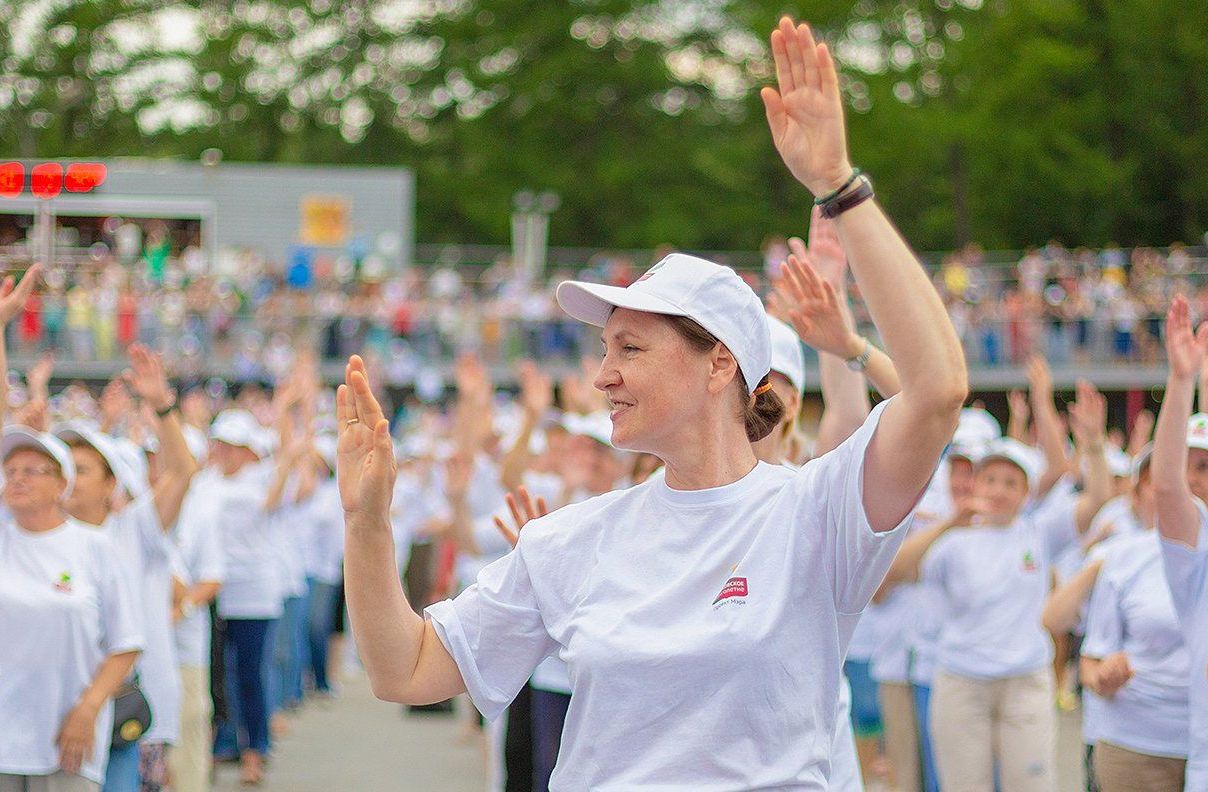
point(240, 428)
point(788, 358)
point(1006, 449)
point(119, 460)
point(968, 451)
point(976, 427)
point(680, 285)
point(596, 425)
point(1118, 462)
point(1197, 431)
point(16, 437)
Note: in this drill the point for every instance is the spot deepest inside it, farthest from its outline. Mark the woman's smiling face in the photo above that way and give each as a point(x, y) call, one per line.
point(655, 382)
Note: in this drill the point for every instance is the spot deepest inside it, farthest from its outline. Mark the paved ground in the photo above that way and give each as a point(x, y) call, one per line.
point(358, 744)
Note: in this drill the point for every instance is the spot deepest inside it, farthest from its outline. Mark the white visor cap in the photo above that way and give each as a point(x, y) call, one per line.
point(680, 285)
point(16, 437)
point(788, 358)
point(1197, 431)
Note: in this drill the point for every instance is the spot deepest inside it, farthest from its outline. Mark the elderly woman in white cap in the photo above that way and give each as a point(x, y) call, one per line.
point(70, 624)
point(113, 495)
point(704, 613)
point(992, 695)
point(1180, 478)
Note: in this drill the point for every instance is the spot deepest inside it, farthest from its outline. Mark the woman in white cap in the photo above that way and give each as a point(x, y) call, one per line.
point(112, 494)
point(991, 699)
point(251, 599)
point(70, 624)
point(704, 613)
point(1180, 477)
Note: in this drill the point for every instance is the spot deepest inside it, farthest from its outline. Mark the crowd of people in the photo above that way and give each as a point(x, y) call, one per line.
point(249, 316)
point(645, 574)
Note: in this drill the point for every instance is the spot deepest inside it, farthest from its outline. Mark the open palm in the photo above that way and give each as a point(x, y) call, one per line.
point(1185, 348)
point(805, 112)
point(365, 464)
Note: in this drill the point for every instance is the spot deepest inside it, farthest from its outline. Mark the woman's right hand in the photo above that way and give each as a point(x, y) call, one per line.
point(523, 509)
point(1185, 349)
point(365, 464)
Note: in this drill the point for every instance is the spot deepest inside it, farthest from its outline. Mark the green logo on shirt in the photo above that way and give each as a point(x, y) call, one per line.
point(63, 584)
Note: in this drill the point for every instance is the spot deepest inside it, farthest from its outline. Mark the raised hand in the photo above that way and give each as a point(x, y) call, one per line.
point(38, 376)
point(458, 469)
point(813, 309)
point(1142, 430)
point(13, 295)
point(536, 390)
point(1017, 404)
point(115, 403)
point(523, 509)
point(365, 463)
point(826, 251)
point(1040, 377)
point(805, 112)
point(1088, 416)
point(1186, 350)
point(147, 379)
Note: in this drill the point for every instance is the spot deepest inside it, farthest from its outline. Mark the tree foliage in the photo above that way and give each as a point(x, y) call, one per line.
point(1004, 121)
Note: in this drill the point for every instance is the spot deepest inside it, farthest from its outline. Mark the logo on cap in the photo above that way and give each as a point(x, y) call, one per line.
point(651, 271)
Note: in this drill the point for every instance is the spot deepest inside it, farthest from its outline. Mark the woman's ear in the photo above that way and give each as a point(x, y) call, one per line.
point(723, 368)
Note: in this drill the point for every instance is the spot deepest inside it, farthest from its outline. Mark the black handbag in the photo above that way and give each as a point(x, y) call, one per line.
point(131, 714)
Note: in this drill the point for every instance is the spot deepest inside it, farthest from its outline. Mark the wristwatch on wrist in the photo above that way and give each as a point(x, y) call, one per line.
point(860, 361)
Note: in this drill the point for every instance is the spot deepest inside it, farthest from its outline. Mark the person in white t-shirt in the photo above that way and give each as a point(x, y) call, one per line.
point(991, 699)
point(112, 494)
point(70, 624)
point(703, 614)
point(1180, 477)
point(252, 594)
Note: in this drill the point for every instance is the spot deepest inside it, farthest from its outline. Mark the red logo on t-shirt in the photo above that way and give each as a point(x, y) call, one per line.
point(735, 587)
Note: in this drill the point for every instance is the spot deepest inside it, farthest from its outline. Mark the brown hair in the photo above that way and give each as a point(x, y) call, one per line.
point(760, 417)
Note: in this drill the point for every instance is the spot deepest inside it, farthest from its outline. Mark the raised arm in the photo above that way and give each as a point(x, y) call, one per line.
point(536, 397)
point(1088, 420)
point(13, 297)
point(147, 379)
point(806, 118)
point(1062, 608)
point(1049, 434)
point(1018, 415)
point(1178, 520)
point(907, 564)
point(404, 658)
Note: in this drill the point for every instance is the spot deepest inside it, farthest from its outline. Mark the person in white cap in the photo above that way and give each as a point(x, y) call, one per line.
point(70, 623)
point(704, 614)
point(251, 598)
point(1180, 477)
point(112, 494)
point(991, 699)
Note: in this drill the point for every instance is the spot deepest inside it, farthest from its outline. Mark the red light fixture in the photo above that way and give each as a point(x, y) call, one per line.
point(46, 180)
point(12, 179)
point(82, 177)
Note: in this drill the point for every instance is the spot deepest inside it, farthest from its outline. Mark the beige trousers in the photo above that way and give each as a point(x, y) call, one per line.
point(56, 782)
point(189, 761)
point(976, 722)
point(901, 734)
point(1121, 770)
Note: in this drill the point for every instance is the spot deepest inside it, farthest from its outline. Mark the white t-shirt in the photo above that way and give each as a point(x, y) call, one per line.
point(198, 542)
point(993, 582)
point(1130, 611)
point(325, 534)
point(417, 500)
point(1187, 577)
point(291, 528)
point(252, 589)
point(845, 764)
point(146, 549)
point(704, 629)
point(65, 605)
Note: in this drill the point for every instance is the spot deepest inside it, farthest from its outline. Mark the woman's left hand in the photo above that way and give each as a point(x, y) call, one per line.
point(805, 112)
point(76, 737)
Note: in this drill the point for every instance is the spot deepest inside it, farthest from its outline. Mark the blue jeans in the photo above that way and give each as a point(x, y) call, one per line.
point(122, 773)
point(285, 673)
point(247, 642)
point(922, 700)
point(322, 606)
point(549, 716)
point(865, 708)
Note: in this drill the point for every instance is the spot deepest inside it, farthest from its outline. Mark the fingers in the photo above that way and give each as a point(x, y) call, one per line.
point(510, 500)
point(6, 286)
point(780, 56)
point(828, 77)
point(511, 536)
point(792, 49)
point(797, 247)
point(809, 57)
point(526, 501)
point(773, 108)
point(366, 406)
point(542, 507)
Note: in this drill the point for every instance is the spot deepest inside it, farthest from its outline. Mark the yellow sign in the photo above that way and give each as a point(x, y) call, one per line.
point(324, 220)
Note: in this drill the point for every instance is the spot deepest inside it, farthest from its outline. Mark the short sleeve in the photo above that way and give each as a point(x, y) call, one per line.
point(1104, 622)
point(121, 630)
point(1187, 573)
point(495, 633)
point(210, 566)
point(835, 481)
